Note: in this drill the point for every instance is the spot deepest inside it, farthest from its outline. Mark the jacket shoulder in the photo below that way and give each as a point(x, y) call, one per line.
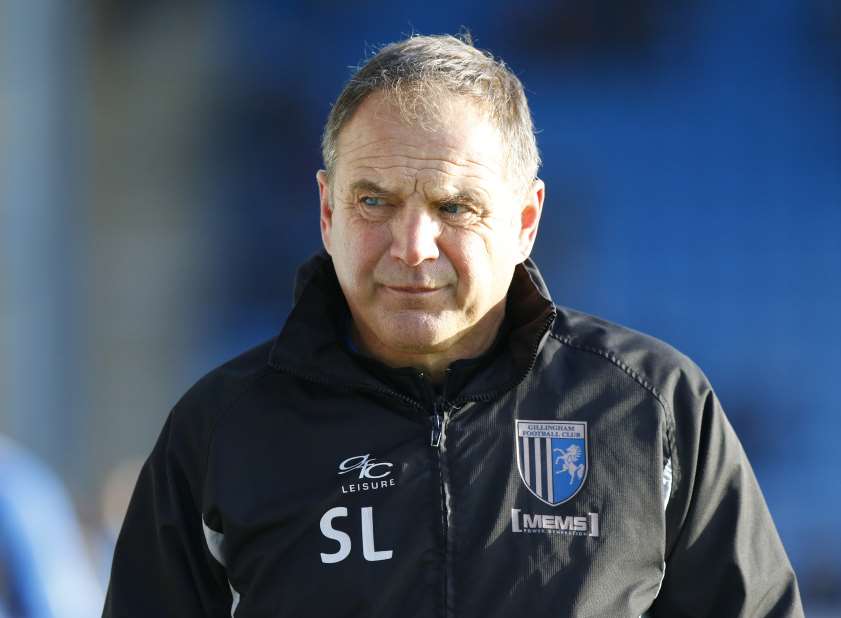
point(654, 364)
point(219, 384)
point(672, 378)
point(192, 422)
point(162, 562)
point(222, 386)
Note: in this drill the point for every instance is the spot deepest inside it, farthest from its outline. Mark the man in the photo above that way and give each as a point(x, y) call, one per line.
point(429, 435)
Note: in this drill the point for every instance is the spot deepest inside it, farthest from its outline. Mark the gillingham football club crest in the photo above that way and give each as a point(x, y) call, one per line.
point(552, 458)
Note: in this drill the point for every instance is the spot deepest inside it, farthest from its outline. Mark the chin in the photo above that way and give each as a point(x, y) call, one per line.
point(415, 334)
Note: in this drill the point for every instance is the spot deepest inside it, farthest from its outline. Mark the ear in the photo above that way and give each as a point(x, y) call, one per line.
point(326, 207)
point(530, 210)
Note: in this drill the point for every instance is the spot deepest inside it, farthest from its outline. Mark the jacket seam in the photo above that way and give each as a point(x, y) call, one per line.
point(641, 381)
point(223, 411)
point(774, 584)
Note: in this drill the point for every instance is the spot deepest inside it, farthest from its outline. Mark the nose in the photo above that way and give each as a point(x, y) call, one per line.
point(414, 236)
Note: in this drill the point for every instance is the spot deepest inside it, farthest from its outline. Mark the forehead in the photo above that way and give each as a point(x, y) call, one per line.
point(454, 146)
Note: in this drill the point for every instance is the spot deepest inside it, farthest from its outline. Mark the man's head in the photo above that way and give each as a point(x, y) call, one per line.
point(421, 72)
point(429, 199)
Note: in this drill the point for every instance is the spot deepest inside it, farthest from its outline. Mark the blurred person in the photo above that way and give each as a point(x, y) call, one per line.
point(429, 434)
point(46, 570)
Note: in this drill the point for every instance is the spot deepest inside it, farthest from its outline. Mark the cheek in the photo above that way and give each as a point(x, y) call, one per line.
point(491, 260)
point(361, 248)
point(474, 265)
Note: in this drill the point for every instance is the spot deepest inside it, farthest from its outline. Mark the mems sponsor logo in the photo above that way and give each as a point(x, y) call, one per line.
point(570, 525)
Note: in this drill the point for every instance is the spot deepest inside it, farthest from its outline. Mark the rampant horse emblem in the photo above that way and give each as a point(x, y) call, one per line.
point(570, 456)
point(548, 450)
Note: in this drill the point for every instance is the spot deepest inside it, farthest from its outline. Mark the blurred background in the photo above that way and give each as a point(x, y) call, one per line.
point(157, 192)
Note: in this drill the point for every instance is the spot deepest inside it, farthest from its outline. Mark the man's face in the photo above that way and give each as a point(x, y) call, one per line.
point(425, 229)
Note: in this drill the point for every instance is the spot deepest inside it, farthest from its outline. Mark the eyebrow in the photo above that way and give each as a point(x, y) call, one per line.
point(367, 186)
point(465, 196)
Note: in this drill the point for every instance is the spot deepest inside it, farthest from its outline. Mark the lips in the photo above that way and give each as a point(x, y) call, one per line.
point(418, 290)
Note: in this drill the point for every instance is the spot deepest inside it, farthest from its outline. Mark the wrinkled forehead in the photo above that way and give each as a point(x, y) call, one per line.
point(452, 142)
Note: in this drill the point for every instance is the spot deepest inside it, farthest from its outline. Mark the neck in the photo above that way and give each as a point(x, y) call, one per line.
point(433, 362)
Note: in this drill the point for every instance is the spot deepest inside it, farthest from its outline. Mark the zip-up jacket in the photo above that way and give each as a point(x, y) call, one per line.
point(577, 468)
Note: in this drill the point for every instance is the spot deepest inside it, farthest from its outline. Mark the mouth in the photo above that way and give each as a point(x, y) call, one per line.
point(412, 290)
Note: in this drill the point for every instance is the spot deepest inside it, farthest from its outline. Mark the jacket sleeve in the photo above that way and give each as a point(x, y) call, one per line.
point(162, 566)
point(723, 554)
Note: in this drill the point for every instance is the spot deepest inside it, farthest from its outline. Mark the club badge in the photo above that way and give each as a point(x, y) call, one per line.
point(552, 458)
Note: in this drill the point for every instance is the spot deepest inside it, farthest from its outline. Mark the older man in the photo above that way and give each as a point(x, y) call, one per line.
point(429, 435)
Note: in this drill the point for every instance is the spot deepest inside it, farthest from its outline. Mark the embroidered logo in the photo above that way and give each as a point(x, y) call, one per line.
point(367, 467)
point(370, 473)
point(552, 458)
point(568, 525)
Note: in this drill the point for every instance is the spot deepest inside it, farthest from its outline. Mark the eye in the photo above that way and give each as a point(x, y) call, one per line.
point(371, 202)
point(374, 208)
point(453, 208)
point(458, 213)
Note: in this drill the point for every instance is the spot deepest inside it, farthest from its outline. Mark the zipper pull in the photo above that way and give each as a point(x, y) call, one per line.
point(436, 429)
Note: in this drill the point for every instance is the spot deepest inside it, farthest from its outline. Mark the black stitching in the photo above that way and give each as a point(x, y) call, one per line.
point(643, 382)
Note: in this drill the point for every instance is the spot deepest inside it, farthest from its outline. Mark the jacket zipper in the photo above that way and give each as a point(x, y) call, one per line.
point(436, 428)
point(440, 417)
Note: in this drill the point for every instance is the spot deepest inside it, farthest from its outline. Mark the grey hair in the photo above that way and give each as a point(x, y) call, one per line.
point(413, 74)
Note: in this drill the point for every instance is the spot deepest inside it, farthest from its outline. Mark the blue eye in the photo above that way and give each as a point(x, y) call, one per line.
point(452, 208)
point(372, 201)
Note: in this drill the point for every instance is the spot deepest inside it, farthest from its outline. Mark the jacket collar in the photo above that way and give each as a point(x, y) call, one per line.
point(313, 342)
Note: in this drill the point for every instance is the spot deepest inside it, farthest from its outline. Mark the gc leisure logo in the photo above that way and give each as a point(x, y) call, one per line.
point(369, 473)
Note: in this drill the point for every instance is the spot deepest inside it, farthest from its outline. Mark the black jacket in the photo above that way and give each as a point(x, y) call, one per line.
point(302, 479)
